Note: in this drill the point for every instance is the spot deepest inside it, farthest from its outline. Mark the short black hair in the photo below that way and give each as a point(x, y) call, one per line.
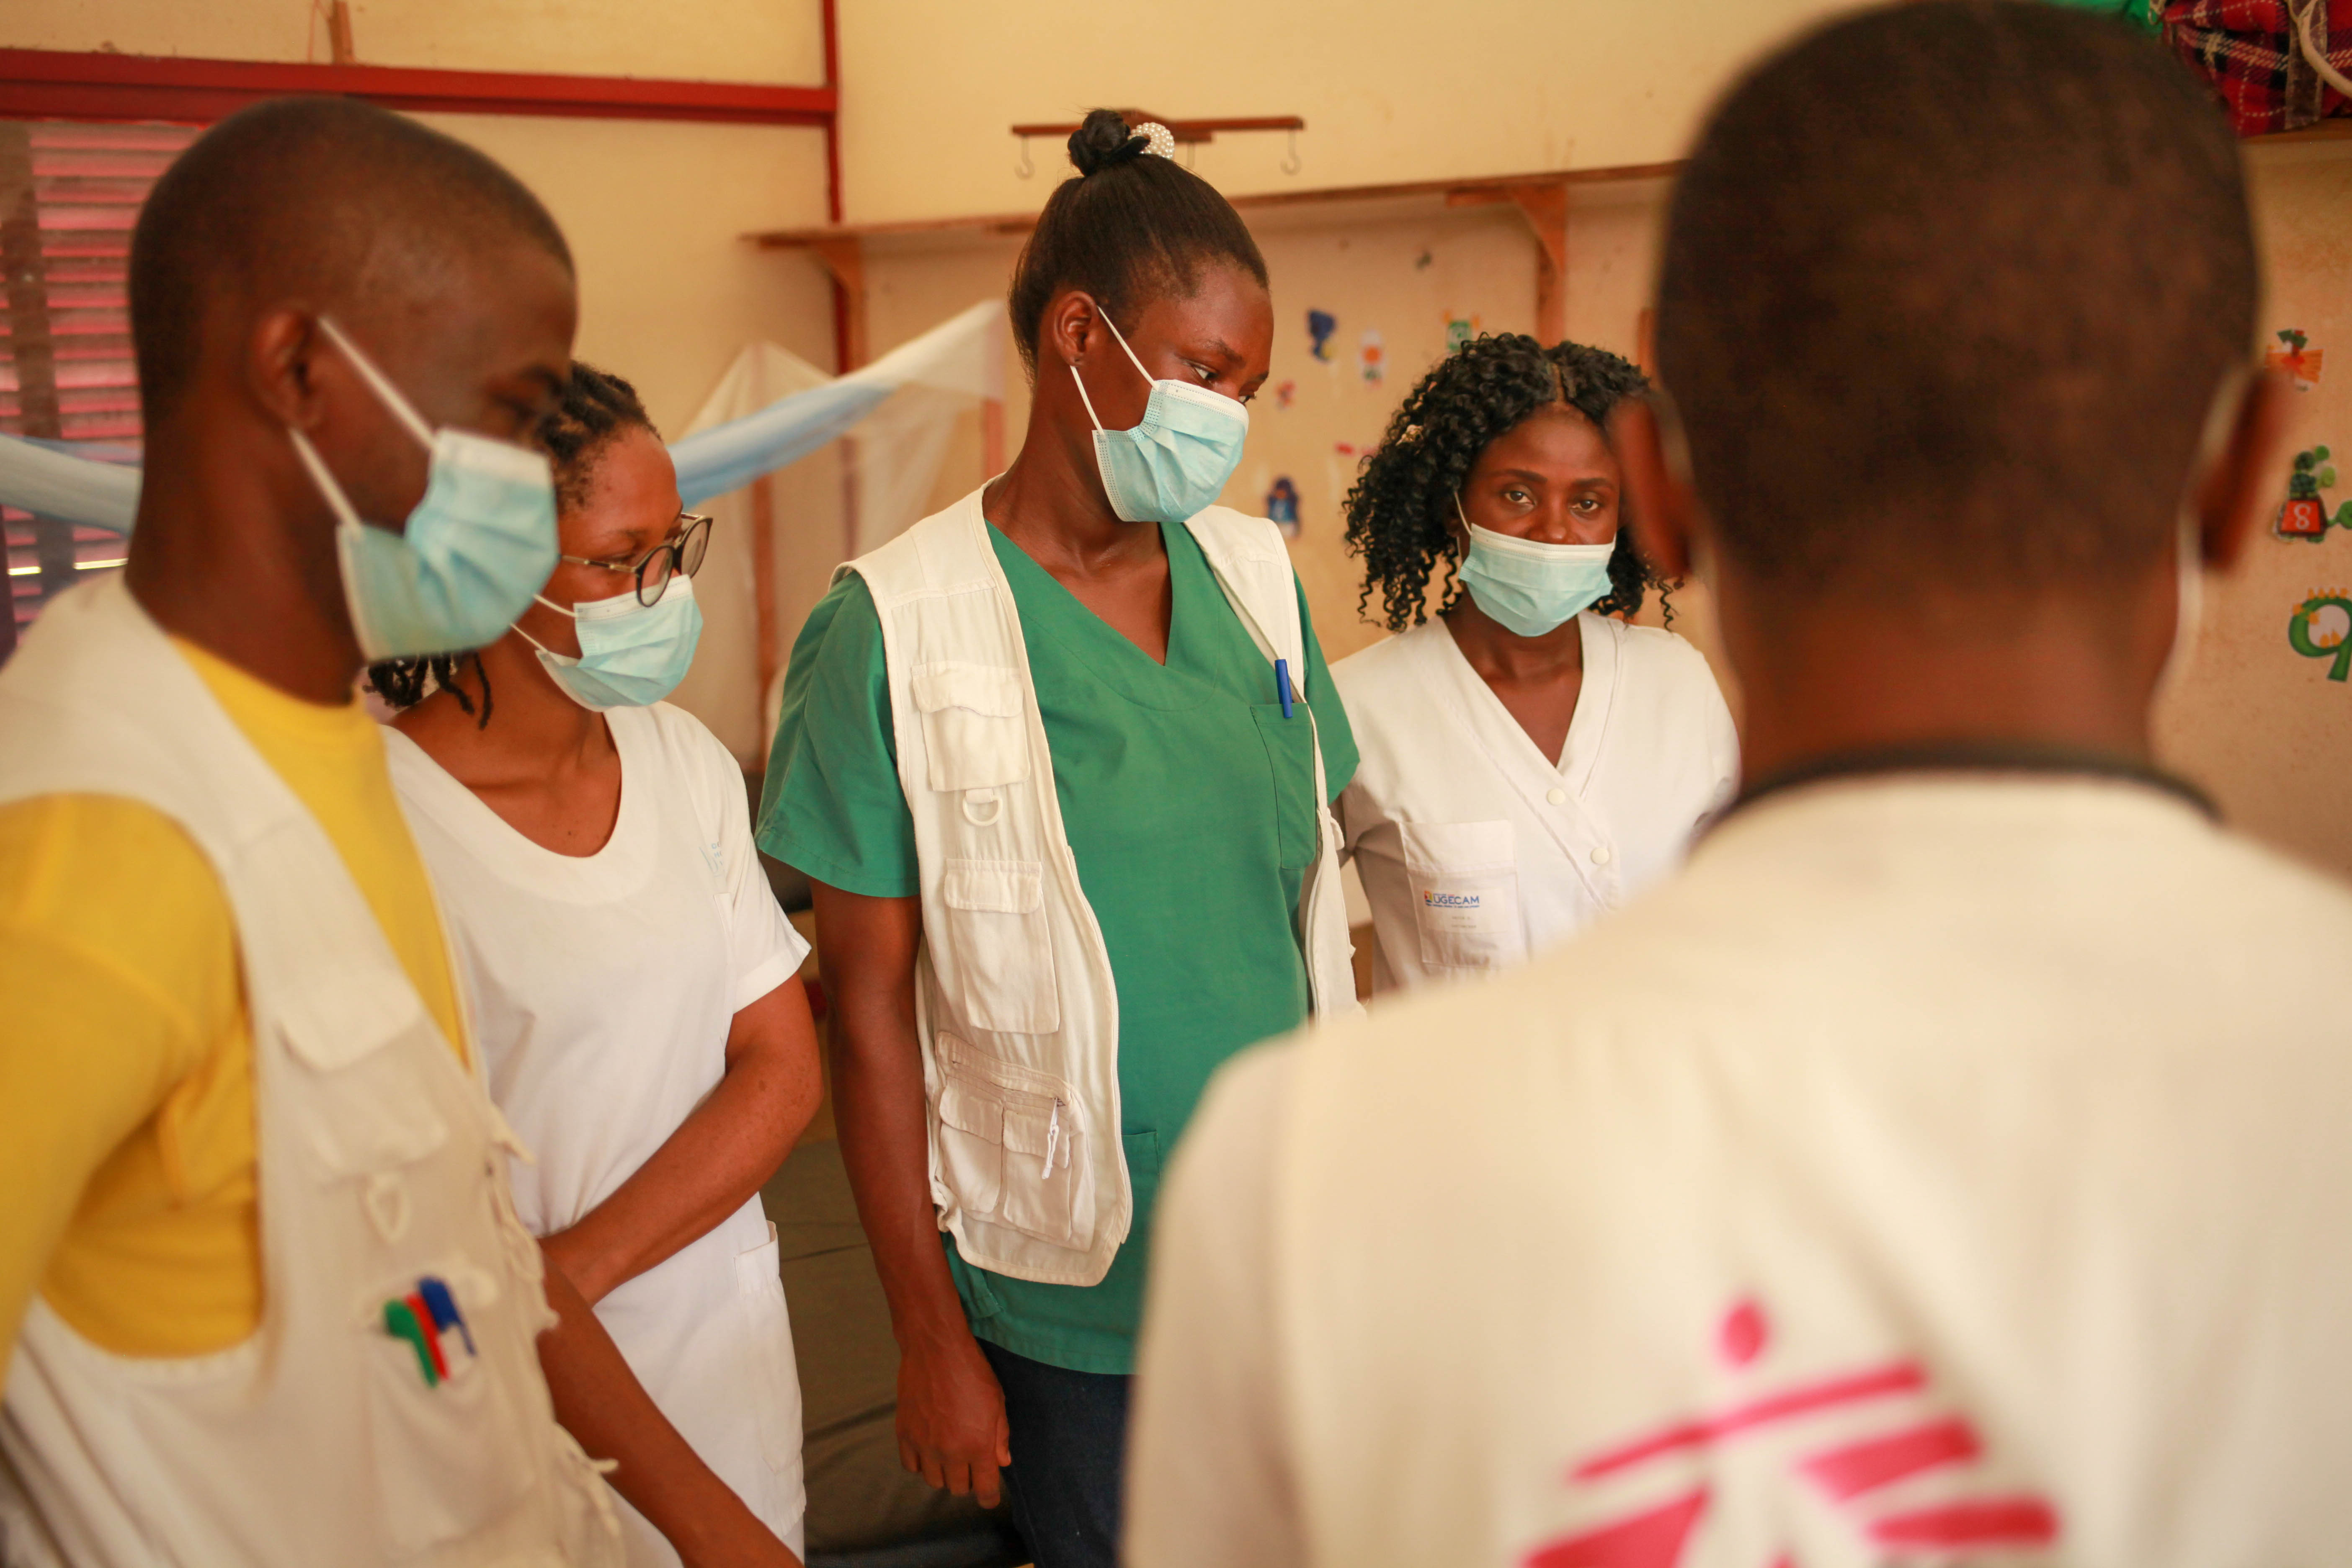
point(596, 406)
point(1399, 511)
point(325, 196)
point(1946, 292)
point(1129, 228)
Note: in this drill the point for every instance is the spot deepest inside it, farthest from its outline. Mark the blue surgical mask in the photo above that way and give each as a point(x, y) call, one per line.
point(631, 655)
point(473, 553)
point(1176, 462)
point(1527, 586)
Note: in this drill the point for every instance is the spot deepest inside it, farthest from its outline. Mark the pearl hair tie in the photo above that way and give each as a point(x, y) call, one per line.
point(1158, 141)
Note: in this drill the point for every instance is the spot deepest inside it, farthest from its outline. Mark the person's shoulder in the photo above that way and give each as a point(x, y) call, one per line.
point(1228, 519)
point(1241, 1118)
point(1381, 658)
point(1220, 531)
point(80, 830)
point(696, 756)
point(844, 624)
point(103, 873)
point(2298, 899)
point(944, 549)
point(683, 736)
point(847, 605)
point(426, 788)
point(1393, 648)
point(1345, 1079)
point(1664, 662)
point(1657, 647)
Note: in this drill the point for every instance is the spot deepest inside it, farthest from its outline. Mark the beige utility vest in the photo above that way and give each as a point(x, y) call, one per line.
point(1015, 1001)
point(317, 1442)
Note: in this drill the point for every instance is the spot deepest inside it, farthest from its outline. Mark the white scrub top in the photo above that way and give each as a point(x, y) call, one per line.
point(602, 988)
point(1943, 1168)
point(1474, 847)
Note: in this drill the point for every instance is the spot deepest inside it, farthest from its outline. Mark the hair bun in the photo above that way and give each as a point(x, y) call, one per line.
point(1105, 141)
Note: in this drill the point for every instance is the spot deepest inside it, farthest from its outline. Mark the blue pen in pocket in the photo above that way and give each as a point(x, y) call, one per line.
point(1281, 684)
point(438, 1301)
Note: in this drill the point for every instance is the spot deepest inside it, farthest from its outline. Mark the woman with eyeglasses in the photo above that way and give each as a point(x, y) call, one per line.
point(635, 986)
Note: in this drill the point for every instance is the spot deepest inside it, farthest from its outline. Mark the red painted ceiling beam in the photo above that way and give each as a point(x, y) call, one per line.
point(47, 84)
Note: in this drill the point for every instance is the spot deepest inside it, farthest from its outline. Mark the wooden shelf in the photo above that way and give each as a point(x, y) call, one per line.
point(1460, 192)
point(2336, 130)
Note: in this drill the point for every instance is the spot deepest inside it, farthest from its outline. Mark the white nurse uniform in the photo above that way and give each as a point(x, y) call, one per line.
point(602, 987)
point(1474, 847)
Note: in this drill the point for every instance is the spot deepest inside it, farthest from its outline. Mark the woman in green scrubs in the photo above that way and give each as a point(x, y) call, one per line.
point(1186, 780)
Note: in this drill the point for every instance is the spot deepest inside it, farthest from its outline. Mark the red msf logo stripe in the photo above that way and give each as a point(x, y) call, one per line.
point(1903, 1378)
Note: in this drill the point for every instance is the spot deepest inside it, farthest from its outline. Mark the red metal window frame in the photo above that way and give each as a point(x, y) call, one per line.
point(51, 84)
point(48, 84)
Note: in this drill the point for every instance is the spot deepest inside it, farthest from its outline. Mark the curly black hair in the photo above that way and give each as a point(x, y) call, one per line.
point(1402, 502)
point(596, 406)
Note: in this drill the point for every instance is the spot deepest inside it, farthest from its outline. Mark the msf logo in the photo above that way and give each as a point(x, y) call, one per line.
point(1870, 1443)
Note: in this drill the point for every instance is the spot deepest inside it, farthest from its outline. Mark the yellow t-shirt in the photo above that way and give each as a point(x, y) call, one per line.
point(126, 1055)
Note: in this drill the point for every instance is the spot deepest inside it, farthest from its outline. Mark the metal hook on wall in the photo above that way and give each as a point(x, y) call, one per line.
point(1025, 169)
point(1290, 164)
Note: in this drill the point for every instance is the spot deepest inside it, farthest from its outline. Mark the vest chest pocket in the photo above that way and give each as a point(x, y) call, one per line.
point(1464, 881)
point(993, 953)
point(365, 1110)
point(1012, 1144)
point(452, 1455)
point(974, 733)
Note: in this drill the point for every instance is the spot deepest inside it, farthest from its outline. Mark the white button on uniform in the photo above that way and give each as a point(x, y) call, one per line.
point(1600, 853)
point(1558, 797)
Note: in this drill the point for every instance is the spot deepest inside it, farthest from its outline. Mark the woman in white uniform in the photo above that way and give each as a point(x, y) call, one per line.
point(1530, 758)
point(635, 985)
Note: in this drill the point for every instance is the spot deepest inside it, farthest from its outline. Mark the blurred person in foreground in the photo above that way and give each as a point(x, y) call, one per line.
point(1948, 1162)
point(264, 1296)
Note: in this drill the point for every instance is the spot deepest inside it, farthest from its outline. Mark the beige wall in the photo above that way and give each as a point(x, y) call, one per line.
point(1390, 90)
point(2257, 724)
point(655, 211)
point(1402, 274)
point(711, 40)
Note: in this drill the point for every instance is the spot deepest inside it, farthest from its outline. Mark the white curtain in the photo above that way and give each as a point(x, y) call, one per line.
point(868, 482)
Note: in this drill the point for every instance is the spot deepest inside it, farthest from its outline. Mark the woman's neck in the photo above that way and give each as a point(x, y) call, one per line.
point(1501, 655)
point(536, 733)
point(1051, 504)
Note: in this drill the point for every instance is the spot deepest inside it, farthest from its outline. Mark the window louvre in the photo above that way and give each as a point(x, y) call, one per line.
point(68, 196)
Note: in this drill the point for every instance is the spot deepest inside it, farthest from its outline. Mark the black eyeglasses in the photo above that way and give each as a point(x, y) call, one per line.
point(670, 558)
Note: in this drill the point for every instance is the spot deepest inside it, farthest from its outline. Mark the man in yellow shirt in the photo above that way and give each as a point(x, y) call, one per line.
point(332, 306)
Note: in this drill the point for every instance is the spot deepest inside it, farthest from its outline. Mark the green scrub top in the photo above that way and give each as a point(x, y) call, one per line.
point(1188, 800)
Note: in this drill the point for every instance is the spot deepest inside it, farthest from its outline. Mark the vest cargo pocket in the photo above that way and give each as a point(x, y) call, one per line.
point(1012, 1144)
point(971, 1146)
point(974, 733)
point(454, 1458)
point(995, 955)
point(1042, 1149)
point(1465, 880)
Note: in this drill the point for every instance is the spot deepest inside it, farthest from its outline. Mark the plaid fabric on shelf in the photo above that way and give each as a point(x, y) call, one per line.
point(2248, 51)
